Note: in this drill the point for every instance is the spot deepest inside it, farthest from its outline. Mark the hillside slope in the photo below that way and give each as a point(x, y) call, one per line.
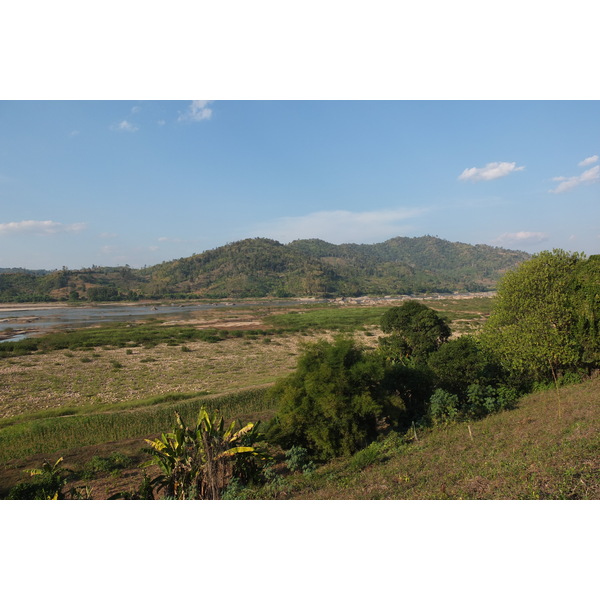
point(538, 451)
point(262, 267)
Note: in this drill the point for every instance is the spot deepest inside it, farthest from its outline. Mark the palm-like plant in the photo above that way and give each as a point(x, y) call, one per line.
point(199, 462)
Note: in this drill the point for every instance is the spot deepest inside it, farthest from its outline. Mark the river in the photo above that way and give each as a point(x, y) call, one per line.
point(20, 322)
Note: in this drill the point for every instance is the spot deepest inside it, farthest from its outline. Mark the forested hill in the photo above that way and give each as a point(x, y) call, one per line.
point(261, 267)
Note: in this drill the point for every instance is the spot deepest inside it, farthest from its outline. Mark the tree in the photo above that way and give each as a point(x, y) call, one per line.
point(335, 402)
point(545, 320)
point(416, 331)
point(460, 363)
point(587, 302)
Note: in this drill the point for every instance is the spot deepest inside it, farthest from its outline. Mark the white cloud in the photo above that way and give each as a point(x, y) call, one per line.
point(492, 170)
point(340, 226)
point(40, 227)
point(168, 239)
point(197, 111)
point(522, 237)
point(568, 183)
point(125, 126)
point(590, 160)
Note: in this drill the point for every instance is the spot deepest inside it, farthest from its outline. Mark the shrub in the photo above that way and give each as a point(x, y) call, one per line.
point(111, 464)
point(298, 459)
point(334, 403)
point(444, 406)
point(485, 399)
point(459, 363)
point(366, 457)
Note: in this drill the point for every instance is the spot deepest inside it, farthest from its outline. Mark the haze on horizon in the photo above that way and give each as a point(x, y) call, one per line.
point(121, 182)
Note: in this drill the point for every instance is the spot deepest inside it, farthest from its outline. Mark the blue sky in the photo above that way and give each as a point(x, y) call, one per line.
point(140, 182)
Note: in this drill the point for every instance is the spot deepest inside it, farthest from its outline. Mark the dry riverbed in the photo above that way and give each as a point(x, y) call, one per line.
point(113, 375)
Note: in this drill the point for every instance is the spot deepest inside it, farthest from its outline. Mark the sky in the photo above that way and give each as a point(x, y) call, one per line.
point(111, 183)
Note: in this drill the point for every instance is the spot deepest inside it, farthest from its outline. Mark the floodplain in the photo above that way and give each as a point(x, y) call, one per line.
point(70, 393)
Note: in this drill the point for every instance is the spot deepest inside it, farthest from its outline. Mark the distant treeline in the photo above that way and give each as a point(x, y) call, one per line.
point(261, 267)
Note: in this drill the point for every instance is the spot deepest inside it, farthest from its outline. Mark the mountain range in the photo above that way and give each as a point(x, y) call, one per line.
point(261, 267)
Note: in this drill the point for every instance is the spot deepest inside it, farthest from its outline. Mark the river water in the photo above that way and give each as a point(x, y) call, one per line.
point(26, 321)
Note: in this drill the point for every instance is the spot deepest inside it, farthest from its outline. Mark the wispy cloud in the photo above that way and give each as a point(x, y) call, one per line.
point(522, 237)
point(568, 183)
point(492, 170)
point(164, 239)
point(40, 227)
point(125, 126)
point(197, 111)
point(340, 226)
point(590, 160)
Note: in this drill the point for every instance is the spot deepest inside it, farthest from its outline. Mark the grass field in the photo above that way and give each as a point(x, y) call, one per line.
point(464, 314)
point(103, 387)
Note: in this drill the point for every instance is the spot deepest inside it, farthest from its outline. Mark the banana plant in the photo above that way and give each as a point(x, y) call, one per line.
point(199, 462)
point(53, 479)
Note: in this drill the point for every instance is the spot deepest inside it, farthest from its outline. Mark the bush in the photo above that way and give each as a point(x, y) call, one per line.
point(444, 406)
point(335, 402)
point(480, 400)
point(483, 400)
point(460, 363)
point(298, 459)
point(111, 464)
point(366, 457)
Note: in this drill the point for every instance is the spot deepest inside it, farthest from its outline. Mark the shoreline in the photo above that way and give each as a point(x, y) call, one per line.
point(24, 306)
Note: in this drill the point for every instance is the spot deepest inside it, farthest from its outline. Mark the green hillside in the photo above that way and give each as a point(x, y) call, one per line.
point(261, 267)
point(541, 450)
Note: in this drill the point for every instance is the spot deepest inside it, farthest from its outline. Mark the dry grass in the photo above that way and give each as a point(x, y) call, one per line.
point(57, 379)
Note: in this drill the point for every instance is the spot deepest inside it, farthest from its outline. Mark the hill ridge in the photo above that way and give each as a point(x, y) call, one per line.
point(263, 267)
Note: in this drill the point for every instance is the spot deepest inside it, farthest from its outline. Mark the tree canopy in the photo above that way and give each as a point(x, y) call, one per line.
point(545, 321)
point(416, 331)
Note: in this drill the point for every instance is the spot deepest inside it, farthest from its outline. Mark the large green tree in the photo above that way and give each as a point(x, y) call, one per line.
point(416, 331)
point(545, 320)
